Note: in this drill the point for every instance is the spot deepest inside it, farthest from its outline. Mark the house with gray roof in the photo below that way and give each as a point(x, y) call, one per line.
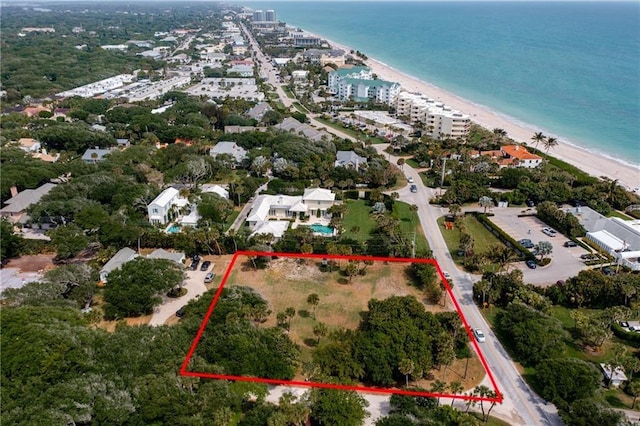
point(17, 205)
point(177, 257)
point(120, 258)
point(93, 155)
point(292, 125)
point(258, 111)
point(229, 148)
point(349, 159)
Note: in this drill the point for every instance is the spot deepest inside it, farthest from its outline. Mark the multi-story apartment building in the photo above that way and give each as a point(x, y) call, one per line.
point(357, 83)
point(439, 120)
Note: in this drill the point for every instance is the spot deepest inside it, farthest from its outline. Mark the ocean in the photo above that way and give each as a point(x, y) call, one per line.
point(570, 69)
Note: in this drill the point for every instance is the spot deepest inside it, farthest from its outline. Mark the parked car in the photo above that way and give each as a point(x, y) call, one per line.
point(194, 265)
point(410, 179)
point(550, 232)
point(181, 312)
point(209, 277)
point(479, 335)
point(526, 243)
point(570, 244)
point(531, 264)
point(205, 265)
point(608, 271)
point(588, 256)
point(413, 188)
point(530, 203)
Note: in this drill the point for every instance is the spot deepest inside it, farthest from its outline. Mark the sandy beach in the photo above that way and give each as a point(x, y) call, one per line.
point(592, 163)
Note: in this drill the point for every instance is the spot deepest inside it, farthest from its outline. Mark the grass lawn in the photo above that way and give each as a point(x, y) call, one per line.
point(413, 163)
point(288, 92)
point(234, 214)
point(409, 222)
point(615, 213)
point(358, 223)
point(300, 108)
point(355, 134)
point(616, 398)
point(483, 238)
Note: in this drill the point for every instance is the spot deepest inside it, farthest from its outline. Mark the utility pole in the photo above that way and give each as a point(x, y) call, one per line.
point(444, 164)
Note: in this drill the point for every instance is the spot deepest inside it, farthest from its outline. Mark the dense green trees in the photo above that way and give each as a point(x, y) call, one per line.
point(136, 287)
point(532, 335)
point(10, 243)
point(337, 407)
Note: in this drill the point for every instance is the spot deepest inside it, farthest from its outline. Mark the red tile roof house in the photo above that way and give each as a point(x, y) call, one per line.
point(511, 156)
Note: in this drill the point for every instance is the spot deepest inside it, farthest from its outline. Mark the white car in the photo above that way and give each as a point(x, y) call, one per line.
point(410, 179)
point(479, 335)
point(446, 275)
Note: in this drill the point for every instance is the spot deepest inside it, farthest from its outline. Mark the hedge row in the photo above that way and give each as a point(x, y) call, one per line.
point(503, 236)
point(628, 336)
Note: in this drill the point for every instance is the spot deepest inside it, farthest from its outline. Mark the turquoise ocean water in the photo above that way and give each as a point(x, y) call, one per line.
point(571, 69)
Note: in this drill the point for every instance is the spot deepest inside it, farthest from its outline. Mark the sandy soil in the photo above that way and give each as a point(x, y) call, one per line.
point(35, 263)
point(595, 164)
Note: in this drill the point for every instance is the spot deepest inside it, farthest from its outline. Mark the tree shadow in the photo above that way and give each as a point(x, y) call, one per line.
point(343, 280)
point(312, 343)
point(303, 313)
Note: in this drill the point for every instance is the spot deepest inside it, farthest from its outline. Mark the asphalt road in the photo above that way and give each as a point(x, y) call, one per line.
point(521, 406)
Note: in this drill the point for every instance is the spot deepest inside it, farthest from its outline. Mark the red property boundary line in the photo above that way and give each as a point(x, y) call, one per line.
point(184, 372)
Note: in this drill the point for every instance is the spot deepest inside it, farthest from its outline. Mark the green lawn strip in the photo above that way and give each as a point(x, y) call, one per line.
point(353, 133)
point(616, 213)
point(234, 214)
point(481, 235)
point(413, 163)
point(409, 223)
point(300, 107)
point(358, 223)
point(288, 92)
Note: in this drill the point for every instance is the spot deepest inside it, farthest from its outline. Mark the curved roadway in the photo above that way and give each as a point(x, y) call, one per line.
point(521, 406)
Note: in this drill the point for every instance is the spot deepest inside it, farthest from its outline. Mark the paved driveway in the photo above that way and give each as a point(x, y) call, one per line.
point(565, 262)
point(194, 283)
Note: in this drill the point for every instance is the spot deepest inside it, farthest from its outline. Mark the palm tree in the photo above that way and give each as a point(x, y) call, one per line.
point(320, 330)
point(502, 255)
point(438, 387)
point(455, 388)
point(550, 143)
point(406, 367)
point(538, 137)
point(634, 390)
point(313, 299)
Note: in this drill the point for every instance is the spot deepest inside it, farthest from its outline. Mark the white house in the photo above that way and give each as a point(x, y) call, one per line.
point(162, 209)
point(618, 237)
point(268, 209)
point(211, 188)
point(119, 259)
point(29, 145)
point(613, 376)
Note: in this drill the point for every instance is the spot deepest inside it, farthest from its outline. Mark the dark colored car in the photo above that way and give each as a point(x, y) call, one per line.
point(181, 312)
point(194, 265)
point(570, 244)
point(588, 256)
point(195, 258)
point(530, 203)
point(608, 271)
point(531, 264)
point(413, 188)
point(205, 265)
point(526, 243)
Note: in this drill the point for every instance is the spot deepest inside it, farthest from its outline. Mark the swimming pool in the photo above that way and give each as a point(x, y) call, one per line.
point(173, 229)
point(322, 229)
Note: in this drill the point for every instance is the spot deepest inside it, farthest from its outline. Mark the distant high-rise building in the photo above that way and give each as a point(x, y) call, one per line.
point(270, 16)
point(258, 16)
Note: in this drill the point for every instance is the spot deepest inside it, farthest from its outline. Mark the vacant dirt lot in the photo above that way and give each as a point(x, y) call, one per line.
point(288, 282)
point(35, 263)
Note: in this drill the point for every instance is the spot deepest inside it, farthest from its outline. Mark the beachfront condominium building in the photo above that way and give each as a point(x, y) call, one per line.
point(439, 121)
point(270, 16)
point(357, 83)
point(258, 15)
point(379, 91)
point(334, 78)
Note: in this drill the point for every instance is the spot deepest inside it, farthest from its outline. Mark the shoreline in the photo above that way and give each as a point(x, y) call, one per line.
point(594, 163)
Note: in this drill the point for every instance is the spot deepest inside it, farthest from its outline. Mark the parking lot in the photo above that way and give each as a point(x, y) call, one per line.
point(565, 261)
